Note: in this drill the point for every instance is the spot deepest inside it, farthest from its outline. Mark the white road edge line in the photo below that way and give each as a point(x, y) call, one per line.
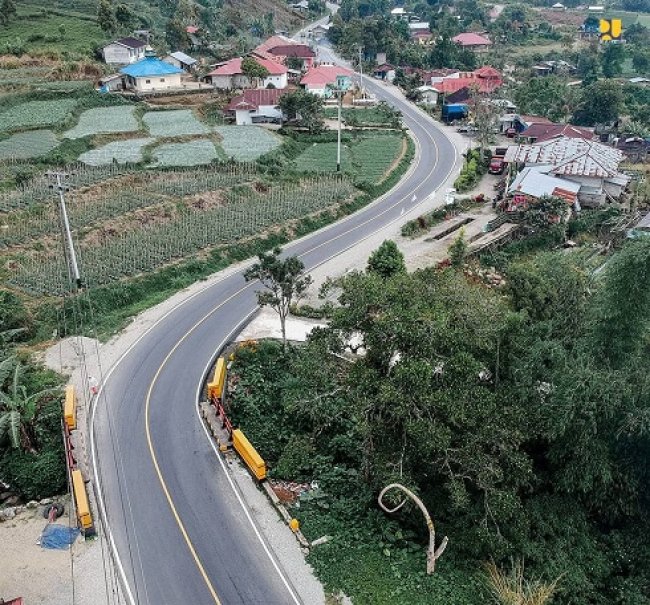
point(98, 488)
point(235, 489)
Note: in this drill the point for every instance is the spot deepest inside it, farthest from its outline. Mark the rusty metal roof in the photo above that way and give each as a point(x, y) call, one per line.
point(569, 157)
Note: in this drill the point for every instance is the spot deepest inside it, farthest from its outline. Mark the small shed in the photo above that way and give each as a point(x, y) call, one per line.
point(182, 61)
point(111, 83)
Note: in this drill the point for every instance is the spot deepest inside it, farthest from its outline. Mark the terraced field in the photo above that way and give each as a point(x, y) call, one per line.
point(245, 143)
point(173, 123)
point(104, 120)
point(122, 152)
point(27, 145)
point(36, 114)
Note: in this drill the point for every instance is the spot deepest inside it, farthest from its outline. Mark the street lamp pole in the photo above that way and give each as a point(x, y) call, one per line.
point(361, 71)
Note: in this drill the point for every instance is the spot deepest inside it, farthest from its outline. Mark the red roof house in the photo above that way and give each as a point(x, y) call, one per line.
point(318, 79)
point(486, 79)
point(298, 51)
point(256, 105)
point(472, 41)
point(229, 75)
point(538, 132)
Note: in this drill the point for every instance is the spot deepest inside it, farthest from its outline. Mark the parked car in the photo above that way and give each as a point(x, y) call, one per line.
point(497, 165)
point(511, 133)
point(450, 196)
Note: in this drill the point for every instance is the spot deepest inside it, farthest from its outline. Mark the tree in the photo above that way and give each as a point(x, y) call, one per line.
point(176, 34)
point(253, 70)
point(106, 17)
point(387, 260)
point(622, 309)
point(284, 281)
point(484, 115)
point(458, 251)
point(7, 11)
point(305, 109)
point(641, 61)
point(19, 409)
point(601, 103)
point(612, 60)
point(125, 16)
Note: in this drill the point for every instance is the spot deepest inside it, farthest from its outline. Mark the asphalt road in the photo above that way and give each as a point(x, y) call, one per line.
point(181, 531)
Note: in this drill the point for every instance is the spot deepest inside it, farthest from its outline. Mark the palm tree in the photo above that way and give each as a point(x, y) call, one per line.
point(18, 409)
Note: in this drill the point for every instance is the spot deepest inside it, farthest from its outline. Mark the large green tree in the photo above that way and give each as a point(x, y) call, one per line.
point(106, 17)
point(305, 109)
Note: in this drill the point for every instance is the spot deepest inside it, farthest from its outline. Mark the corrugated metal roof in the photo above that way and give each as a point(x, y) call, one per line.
point(150, 66)
point(569, 157)
point(183, 58)
point(537, 184)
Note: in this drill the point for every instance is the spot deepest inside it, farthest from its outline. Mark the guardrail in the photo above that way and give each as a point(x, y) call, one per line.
point(78, 486)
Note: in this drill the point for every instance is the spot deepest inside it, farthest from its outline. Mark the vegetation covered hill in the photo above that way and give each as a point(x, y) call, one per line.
point(519, 415)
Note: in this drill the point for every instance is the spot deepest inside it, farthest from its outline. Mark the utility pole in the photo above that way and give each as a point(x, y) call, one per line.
point(338, 133)
point(361, 72)
point(70, 253)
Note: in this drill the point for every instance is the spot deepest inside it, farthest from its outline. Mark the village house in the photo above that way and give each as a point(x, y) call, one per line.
point(256, 106)
point(320, 31)
point(473, 42)
point(229, 75)
point(151, 75)
point(321, 79)
point(422, 36)
point(384, 72)
point(591, 165)
point(428, 95)
point(182, 61)
point(301, 52)
point(124, 51)
point(538, 132)
point(457, 86)
point(194, 34)
point(532, 183)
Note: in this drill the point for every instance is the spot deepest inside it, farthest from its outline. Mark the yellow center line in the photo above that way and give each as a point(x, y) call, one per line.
point(152, 452)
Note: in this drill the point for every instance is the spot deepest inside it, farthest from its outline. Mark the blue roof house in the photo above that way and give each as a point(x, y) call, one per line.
point(151, 75)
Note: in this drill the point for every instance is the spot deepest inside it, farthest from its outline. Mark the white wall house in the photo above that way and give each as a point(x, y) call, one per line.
point(124, 51)
point(256, 106)
point(151, 75)
point(229, 76)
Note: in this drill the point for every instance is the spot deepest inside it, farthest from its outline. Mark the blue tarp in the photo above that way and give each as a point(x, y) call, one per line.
point(58, 537)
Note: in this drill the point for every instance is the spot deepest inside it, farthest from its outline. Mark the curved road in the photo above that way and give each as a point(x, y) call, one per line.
point(181, 530)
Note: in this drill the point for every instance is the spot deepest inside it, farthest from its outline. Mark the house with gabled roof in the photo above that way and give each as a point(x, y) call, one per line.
point(255, 106)
point(229, 75)
point(182, 61)
point(592, 165)
point(472, 41)
point(321, 79)
point(301, 52)
point(124, 51)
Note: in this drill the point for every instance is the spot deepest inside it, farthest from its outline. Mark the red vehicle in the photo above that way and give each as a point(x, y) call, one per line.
point(497, 165)
point(511, 133)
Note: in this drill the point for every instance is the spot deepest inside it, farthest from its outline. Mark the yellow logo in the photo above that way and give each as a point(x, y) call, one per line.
point(610, 29)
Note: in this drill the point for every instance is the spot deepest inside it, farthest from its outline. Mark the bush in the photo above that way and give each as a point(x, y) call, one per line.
point(35, 476)
point(472, 171)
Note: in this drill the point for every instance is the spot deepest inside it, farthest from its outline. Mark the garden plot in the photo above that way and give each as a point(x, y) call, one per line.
point(373, 157)
point(192, 153)
point(25, 145)
point(246, 142)
point(321, 157)
point(104, 120)
point(122, 152)
point(174, 123)
point(35, 114)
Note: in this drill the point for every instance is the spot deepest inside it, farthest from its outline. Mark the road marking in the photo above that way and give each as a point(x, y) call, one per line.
point(213, 285)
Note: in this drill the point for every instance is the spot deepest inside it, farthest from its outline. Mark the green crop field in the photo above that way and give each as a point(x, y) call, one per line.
point(368, 156)
point(151, 238)
point(121, 152)
point(192, 153)
point(34, 114)
point(373, 157)
point(174, 123)
point(321, 157)
point(245, 143)
point(26, 145)
point(104, 120)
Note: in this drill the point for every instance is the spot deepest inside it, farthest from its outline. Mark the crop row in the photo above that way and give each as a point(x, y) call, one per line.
point(20, 228)
point(147, 249)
